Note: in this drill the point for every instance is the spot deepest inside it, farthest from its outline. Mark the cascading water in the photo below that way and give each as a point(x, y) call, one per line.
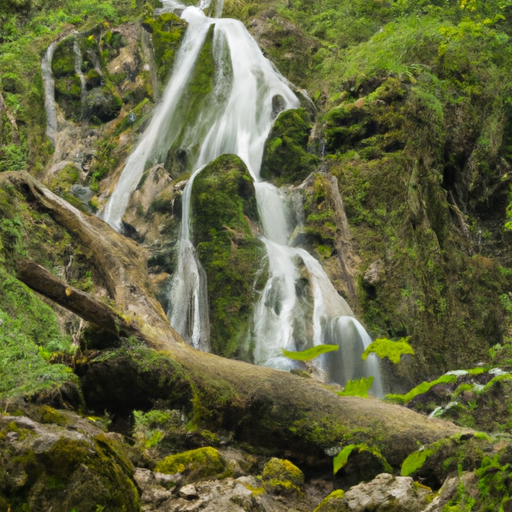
point(188, 312)
point(49, 92)
point(236, 118)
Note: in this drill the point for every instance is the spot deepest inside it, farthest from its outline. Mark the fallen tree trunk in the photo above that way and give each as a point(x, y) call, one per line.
point(82, 304)
point(288, 414)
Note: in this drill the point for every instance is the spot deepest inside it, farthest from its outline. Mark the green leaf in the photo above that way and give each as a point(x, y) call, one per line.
point(393, 350)
point(419, 390)
point(357, 387)
point(310, 353)
point(342, 458)
point(415, 461)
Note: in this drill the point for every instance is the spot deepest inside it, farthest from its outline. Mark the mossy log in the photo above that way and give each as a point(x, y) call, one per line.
point(83, 304)
point(264, 407)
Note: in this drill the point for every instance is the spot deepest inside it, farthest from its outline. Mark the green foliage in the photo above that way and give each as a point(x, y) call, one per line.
point(359, 387)
point(342, 458)
point(286, 158)
point(24, 35)
point(310, 353)
point(29, 335)
point(393, 350)
point(419, 390)
point(415, 461)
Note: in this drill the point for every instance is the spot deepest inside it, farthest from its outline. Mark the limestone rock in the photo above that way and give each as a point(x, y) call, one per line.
point(385, 493)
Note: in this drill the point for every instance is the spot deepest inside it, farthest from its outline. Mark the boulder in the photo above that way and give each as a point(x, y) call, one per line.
point(385, 493)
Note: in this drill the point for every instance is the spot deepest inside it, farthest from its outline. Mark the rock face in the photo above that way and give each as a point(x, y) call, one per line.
point(224, 216)
point(62, 467)
point(385, 493)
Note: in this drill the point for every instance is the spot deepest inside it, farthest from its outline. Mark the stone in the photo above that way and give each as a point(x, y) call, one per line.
point(373, 275)
point(102, 104)
point(385, 493)
point(189, 492)
point(85, 194)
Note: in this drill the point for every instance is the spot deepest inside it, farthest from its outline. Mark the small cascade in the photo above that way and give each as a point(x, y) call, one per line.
point(49, 92)
point(78, 70)
point(298, 307)
point(188, 312)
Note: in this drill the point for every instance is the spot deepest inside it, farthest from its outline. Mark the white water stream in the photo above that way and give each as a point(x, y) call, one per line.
point(237, 118)
point(49, 92)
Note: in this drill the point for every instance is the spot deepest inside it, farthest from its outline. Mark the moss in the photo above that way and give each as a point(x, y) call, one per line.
point(65, 178)
point(167, 31)
point(48, 414)
point(283, 470)
point(196, 464)
point(286, 158)
point(63, 62)
point(223, 204)
point(331, 502)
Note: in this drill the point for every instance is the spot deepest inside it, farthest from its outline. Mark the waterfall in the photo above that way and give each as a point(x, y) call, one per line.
point(188, 311)
point(153, 135)
point(49, 92)
point(298, 307)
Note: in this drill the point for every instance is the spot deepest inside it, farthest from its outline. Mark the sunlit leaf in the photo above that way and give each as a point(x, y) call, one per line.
point(310, 353)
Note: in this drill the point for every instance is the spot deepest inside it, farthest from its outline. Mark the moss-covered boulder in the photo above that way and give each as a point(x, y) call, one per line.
point(167, 31)
point(286, 158)
point(280, 476)
point(46, 466)
point(195, 464)
point(63, 62)
point(102, 104)
point(223, 211)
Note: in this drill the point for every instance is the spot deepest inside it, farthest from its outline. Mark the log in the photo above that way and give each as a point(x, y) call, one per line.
point(285, 413)
point(82, 304)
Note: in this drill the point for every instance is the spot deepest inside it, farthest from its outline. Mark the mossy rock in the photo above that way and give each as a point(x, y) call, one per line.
point(93, 79)
point(63, 62)
point(167, 31)
point(280, 476)
point(331, 503)
point(223, 206)
point(65, 179)
point(195, 464)
point(68, 87)
point(283, 469)
point(55, 469)
point(102, 105)
point(286, 158)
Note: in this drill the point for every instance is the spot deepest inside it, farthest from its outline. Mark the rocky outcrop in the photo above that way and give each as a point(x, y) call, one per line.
point(385, 493)
point(62, 463)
